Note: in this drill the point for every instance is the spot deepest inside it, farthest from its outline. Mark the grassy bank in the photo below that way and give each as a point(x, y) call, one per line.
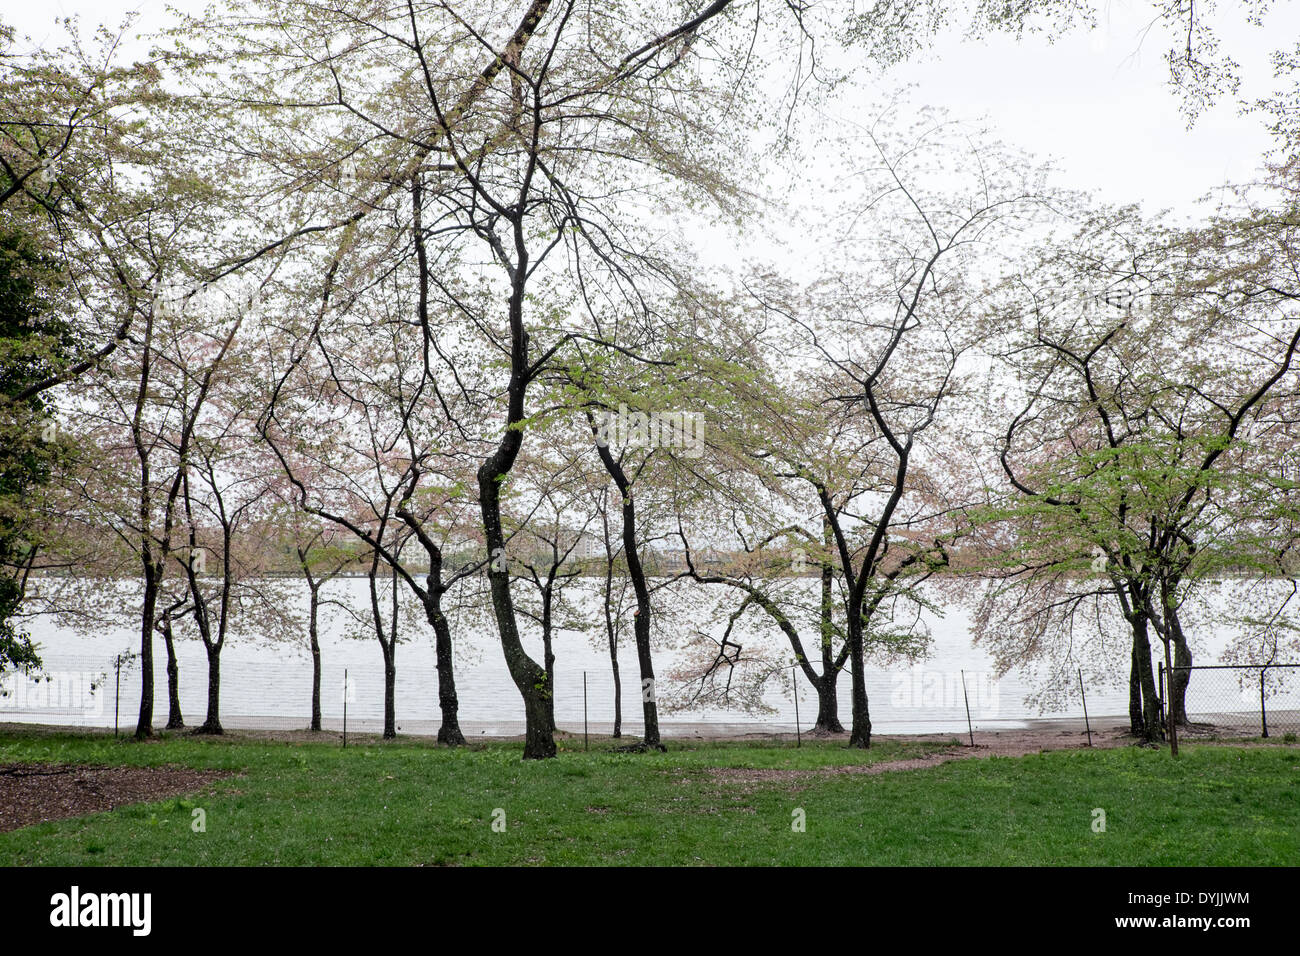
point(718, 803)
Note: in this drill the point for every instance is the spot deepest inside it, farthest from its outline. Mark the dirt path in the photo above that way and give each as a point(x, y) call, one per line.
point(1004, 743)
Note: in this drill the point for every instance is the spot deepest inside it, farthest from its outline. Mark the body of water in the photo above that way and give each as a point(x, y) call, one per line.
point(268, 684)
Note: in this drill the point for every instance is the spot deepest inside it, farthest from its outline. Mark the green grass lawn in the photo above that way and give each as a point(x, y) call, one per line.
point(412, 803)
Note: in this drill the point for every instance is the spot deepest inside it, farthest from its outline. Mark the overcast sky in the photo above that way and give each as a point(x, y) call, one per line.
point(1100, 103)
point(1097, 102)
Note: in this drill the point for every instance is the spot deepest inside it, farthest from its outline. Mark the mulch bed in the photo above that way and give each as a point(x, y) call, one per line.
point(33, 793)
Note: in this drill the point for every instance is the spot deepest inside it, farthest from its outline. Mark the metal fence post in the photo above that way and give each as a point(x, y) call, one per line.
point(1263, 716)
point(1236, 715)
point(1163, 719)
point(969, 729)
point(117, 693)
point(1086, 726)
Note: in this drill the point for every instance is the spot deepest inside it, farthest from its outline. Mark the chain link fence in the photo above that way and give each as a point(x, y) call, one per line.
point(1240, 700)
point(273, 691)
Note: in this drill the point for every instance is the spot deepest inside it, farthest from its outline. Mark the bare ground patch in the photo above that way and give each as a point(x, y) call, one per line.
point(1008, 743)
point(34, 793)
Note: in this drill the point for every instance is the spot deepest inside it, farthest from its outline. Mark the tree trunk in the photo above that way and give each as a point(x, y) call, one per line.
point(175, 720)
point(314, 637)
point(641, 621)
point(144, 725)
point(860, 733)
point(449, 732)
point(529, 678)
point(618, 691)
point(1180, 676)
point(1136, 724)
point(548, 656)
point(828, 701)
point(1152, 731)
point(649, 703)
point(610, 630)
point(390, 692)
point(828, 707)
point(212, 722)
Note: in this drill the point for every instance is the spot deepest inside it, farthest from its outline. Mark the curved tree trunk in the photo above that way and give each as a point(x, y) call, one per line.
point(529, 678)
point(449, 732)
point(641, 621)
point(212, 722)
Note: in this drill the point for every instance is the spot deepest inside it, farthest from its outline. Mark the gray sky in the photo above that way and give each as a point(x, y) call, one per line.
point(1098, 102)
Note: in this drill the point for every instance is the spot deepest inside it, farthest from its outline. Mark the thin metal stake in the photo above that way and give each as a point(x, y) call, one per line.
point(345, 708)
point(584, 710)
point(117, 694)
point(1171, 721)
point(969, 728)
point(1085, 707)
